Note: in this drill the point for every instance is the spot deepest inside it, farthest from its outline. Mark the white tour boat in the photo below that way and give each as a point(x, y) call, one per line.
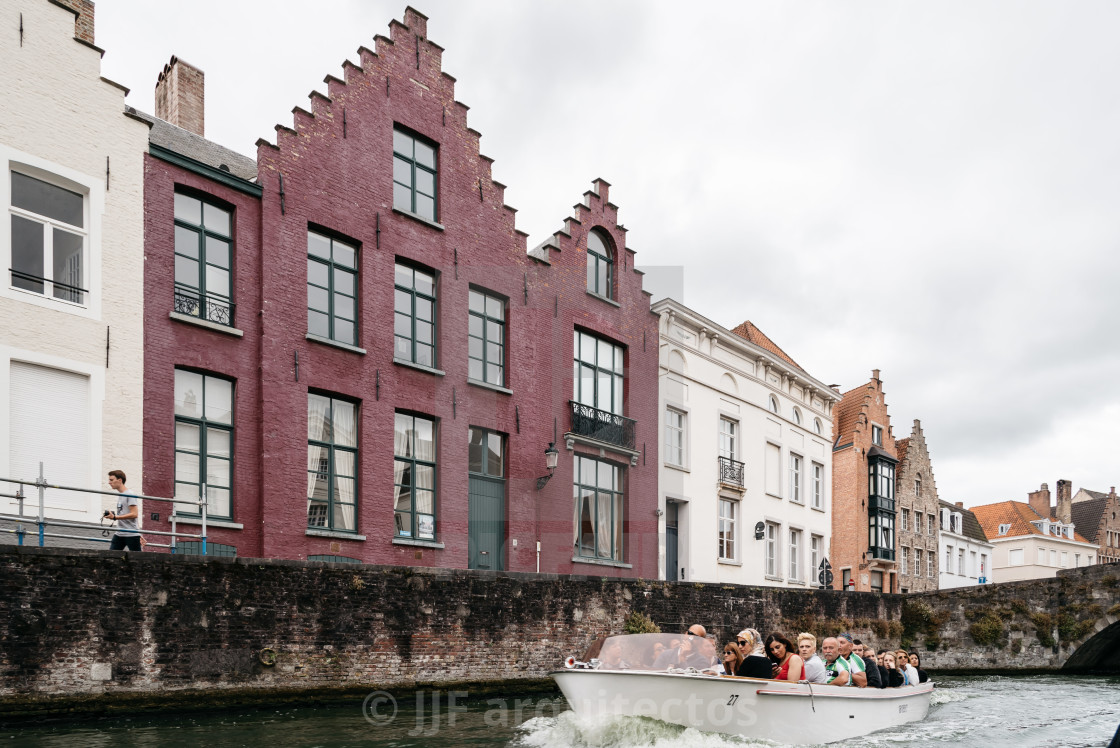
point(619, 678)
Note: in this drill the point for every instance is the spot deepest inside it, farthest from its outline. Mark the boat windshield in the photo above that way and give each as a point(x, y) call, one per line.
point(653, 652)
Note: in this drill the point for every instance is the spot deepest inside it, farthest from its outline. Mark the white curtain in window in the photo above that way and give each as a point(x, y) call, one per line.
point(344, 482)
point(603, 525)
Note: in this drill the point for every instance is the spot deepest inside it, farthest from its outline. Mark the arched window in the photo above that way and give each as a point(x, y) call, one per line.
point(797, 416)
point(600, 266)
point(773, 404)
point(817, 426)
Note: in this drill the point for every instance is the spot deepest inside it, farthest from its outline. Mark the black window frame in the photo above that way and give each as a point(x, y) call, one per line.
point(334, 268)
point(414, 295)
point(616, 372)
point(407, 160)
point(597, 260)
point(333, 501)
point(616, 494)
point(486, 321)
point(413, 529)
point(204, 426)
point(199, 300)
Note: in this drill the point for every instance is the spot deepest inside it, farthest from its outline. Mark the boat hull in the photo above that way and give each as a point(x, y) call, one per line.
point(793, 713)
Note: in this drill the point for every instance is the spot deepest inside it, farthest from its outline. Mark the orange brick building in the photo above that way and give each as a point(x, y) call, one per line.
point(864, 459)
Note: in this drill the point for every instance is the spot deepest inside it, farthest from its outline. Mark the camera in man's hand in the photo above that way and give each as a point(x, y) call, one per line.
point(106, 514)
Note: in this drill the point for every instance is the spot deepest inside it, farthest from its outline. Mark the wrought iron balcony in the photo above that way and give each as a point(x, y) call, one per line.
point(216, 309)
point(731, 472)
point(602, 425)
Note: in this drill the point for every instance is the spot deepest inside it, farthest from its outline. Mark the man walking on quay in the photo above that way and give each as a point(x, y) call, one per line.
point(127, 535)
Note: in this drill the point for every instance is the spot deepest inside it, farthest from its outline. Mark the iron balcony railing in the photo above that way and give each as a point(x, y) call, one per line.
point(216, 309)
point(731, 472)
point(885, 554)
point(602, 425)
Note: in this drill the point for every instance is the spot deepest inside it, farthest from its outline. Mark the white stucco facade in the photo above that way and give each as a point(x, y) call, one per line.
point(71, 341)
point(745, 439)
point(964, 560)
point(1039, 556)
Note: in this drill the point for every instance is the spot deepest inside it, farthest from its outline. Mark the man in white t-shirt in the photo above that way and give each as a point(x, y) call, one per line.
point(814, 668)
point(127, 536)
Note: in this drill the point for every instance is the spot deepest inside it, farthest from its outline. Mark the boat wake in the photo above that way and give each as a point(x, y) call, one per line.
point(948, 696)
point(569, 729)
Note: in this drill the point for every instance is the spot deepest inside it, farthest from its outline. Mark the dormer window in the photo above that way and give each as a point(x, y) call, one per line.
point(877, 435)
point(1004, 529)
point(955, 522)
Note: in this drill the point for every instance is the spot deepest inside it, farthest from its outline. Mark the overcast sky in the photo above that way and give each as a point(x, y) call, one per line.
point(931, 189)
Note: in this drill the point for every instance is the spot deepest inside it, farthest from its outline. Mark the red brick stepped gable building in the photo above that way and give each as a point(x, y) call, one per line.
point(401, 362)
point(864, 460)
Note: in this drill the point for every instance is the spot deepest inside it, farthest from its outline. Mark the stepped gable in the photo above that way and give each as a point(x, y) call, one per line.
point(901, 447)
point(749, 332)
point(851, 413)
point(402, 81)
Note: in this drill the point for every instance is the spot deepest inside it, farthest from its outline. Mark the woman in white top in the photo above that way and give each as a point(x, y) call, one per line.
point(908, 670)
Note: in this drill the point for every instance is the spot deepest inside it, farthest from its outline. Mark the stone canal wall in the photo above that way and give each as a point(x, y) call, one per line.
point(96, 630)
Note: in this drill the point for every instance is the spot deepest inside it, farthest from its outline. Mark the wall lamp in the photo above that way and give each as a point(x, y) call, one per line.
point(551, 456)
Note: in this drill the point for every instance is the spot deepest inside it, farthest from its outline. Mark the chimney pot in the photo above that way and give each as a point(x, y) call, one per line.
point(181, 96)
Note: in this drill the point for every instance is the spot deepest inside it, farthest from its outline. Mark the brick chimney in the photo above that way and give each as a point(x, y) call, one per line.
point(83, 24)
point(875, 374)
point(180, 96)
point(1040, 500)
point(960, 504)
point(1065, 501)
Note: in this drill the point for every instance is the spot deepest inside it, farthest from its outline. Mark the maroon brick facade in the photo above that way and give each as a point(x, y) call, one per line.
point(333, 171)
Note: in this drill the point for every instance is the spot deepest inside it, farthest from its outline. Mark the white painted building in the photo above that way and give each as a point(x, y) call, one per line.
point(964, 550)
point(1030, 545)
point(71, 244)
point(746, 458)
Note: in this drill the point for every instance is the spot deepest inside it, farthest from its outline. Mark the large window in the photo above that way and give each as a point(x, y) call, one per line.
point(203, 442)
point(598, 373)
point(48, 239)
point(332, 463)
point(332, 288)
point(414, 476)
point(600, 266)
point(414, 175)
point(728, 529)
point(881, 484)
point(674, 437)
point(880, 539)
point(728, 431)
point(795, 555)
point(414, 319)
point(818, 486)
point(816, 547)
point(771, 549)
point(598, 509)
point(202, 260)
point(487, 342)
point(795, 478)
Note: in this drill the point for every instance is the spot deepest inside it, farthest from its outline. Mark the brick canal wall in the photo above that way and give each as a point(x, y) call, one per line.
point(77, 627)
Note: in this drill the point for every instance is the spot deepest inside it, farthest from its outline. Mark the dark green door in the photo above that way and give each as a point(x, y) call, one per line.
point(486, 529)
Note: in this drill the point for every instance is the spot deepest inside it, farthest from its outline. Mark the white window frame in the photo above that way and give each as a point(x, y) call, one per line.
point(796, 464)
point(795, 535)
point(93, 192)
point(818, 486)
point(772, 549)
point(904, 565)
point(816, 548)
point(728, 525)
point(681, 434)
point(960, 562)
point(731, 435)
point(876, 435)
point(917, 562)
point(904, 520)
point(1015, 557)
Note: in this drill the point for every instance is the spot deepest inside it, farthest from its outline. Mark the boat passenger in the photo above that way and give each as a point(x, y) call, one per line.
point(611, 656)
point(855, 664)
point(835, 666)
point(814, 668)
point(694, 650)
point(732, 658)
point(755, 664)
point(874, 680)
point(895, 677)
point(916, 661)
point(790, 664)
point(911, 672)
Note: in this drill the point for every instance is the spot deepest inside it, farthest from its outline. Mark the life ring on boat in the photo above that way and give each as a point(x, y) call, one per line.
point(267, 656)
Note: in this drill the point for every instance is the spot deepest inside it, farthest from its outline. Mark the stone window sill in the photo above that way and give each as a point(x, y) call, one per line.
point(798, 582)
point(773, 579)
point(817, 509)
point(612, 302)
point(418, 367)
point(601, 562)
point(225, 523)
point(774, 496)
point(488, 386)
point(419, 218)
point(418, 543)
point(682, 468)
point(334, 343)
point(729, 562)
point(314, 532)
point(207, 324)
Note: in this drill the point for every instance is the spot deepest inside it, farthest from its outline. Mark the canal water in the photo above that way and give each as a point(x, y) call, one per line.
point(988, 711)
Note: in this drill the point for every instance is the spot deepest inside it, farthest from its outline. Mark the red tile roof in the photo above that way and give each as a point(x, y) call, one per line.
point(1018, 514)
point(752, 334)
point(900, 448)
point(846, 415)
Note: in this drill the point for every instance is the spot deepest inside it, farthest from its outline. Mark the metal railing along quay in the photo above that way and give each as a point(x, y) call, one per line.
point(42, 522)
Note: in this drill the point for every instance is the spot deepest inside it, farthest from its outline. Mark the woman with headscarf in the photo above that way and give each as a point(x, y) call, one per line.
point(755, 663)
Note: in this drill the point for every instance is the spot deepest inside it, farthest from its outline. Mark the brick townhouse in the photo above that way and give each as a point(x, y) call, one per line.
point(917, 507)
point(864, 461)
point(1097, 516)
point(354, 350)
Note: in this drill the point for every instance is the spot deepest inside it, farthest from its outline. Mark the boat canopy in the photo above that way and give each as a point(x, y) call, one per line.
point(653, 652)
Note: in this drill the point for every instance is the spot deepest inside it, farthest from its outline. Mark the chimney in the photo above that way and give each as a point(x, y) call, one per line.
point(1040, 500)
point(83, 24)
point(180, 96)
point(1065, 501)
point(875, 374)
point(960, 504)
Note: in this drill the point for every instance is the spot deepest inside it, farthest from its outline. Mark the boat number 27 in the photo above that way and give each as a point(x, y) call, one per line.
point(732, 699)
point(902, 708)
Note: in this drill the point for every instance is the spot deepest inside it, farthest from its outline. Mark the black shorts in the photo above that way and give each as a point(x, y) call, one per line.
point(125, 542)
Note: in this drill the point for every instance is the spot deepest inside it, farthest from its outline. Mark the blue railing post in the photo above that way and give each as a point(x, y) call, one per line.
point(19, 532)
point(42, 484)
